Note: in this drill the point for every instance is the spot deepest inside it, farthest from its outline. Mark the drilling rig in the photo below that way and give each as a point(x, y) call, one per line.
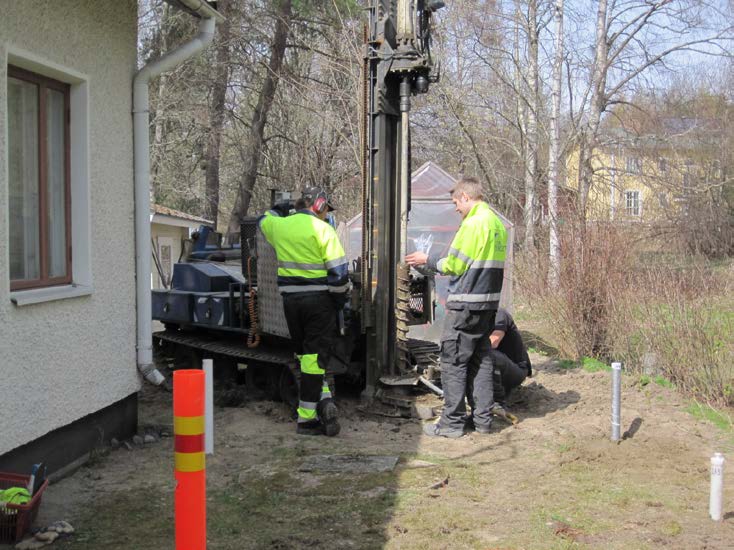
point(235, 314)
point(397, 65)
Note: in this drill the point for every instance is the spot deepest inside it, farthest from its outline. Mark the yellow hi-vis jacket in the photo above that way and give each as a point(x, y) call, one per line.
point(310, 256)
point(476, 261)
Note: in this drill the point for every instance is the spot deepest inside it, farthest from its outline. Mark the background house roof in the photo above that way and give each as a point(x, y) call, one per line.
point(162, 214)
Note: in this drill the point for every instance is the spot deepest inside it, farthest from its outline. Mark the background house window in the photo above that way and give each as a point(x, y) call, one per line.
point(633, 165)
point(632, 203)
point(39, 183)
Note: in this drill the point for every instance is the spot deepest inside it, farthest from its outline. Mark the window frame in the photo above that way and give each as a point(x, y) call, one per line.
point(627, 210)
point(45, 83)
point(633, 165)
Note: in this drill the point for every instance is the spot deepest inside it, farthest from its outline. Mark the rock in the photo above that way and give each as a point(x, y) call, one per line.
point(61, 527)
point(424, 412)
point(137, 440)
point(47, 536)
point(28, 543)
point(149, 439)
point(114, 443)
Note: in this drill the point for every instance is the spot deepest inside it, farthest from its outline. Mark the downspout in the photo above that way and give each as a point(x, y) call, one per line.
point(141, 145)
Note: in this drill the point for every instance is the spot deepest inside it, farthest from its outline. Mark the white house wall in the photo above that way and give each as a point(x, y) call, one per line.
point(64, 359)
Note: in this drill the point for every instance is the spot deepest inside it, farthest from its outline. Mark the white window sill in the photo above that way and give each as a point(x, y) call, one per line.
point(39, 295)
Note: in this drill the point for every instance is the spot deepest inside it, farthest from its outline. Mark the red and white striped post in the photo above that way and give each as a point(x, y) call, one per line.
point(190, 466)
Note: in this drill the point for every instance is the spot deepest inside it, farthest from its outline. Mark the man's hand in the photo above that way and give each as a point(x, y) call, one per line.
point(496, 337)
point(416, 259)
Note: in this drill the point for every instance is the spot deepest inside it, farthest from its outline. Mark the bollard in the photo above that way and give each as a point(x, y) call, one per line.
point(616, 400)
point(717, 486)
point(190, 472)
point(209, 407)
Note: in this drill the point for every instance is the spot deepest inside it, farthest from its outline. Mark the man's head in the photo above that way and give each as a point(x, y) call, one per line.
point(316, 200)
point(466, 193)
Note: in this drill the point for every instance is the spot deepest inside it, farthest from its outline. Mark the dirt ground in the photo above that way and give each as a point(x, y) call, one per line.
point(553, 481)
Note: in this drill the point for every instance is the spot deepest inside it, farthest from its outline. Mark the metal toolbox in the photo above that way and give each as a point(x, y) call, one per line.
point(171, 306)
point(200, 277)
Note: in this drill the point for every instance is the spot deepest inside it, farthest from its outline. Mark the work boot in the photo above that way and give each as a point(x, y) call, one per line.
point(435, 430)
point(326, 409)
point(313, 427)
point(483, 429)
point(469, 426)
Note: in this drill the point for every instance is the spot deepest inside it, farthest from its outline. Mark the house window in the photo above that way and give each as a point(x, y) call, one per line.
point(632, 203)
point(39, 230)
point(633, 165)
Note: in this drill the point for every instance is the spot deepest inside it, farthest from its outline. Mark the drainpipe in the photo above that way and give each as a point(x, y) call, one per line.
point(141, 144)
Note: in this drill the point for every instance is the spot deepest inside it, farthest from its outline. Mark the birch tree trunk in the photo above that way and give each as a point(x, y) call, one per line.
point(519, 85)
point(531, 138)
point(554, 249)
point(284, 15)
point(598, 99)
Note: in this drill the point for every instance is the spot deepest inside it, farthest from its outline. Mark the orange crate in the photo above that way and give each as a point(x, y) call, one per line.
point(16, 519)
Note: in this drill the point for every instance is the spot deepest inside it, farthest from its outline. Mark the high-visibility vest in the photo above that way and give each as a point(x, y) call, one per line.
point(310, 256)
point(476, 261)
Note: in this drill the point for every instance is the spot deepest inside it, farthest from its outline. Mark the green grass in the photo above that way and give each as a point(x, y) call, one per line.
point(537, 351)
point(658, 379)
point(705, 412)
point(589, 364)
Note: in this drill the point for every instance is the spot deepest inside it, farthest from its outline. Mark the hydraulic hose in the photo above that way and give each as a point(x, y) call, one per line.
point(253, 336)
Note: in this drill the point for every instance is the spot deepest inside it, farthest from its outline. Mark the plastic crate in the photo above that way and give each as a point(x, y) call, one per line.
point(16, 519)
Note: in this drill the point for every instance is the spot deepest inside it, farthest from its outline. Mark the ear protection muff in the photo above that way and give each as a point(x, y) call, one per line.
point(320, 203)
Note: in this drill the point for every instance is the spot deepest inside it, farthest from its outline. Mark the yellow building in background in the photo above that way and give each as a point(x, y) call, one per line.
point(646, 179)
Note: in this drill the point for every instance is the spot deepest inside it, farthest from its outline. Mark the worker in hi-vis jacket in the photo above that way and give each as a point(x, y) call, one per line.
point(312, 278)
point(475, 262)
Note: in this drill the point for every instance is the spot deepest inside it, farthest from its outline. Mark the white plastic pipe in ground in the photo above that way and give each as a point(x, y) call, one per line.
point(717, 487)
point(208, 406)
point(616, 400)
point(141, 148)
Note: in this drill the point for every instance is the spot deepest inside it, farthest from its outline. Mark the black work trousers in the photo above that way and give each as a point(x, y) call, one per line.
point(507, 375)
point(311, 319)
point(466, 362)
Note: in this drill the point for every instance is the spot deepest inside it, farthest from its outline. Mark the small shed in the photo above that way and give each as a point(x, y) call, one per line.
point(168, 230)
point(432, 224)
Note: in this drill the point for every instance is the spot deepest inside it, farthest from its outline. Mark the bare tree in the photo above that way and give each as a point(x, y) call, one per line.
point(554, 157)
point(217, 111)
point(283, 14)
point(531, 84)
point(633, 37)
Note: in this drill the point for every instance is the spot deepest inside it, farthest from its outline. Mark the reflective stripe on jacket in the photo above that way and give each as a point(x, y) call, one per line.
point(310, 256)
point(476, 261)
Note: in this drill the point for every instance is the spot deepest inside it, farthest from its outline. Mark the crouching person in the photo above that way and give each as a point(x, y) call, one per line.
point(509, 355)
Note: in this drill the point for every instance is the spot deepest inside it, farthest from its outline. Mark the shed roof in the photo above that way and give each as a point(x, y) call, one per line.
point(171, 213)
point(430, 181)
